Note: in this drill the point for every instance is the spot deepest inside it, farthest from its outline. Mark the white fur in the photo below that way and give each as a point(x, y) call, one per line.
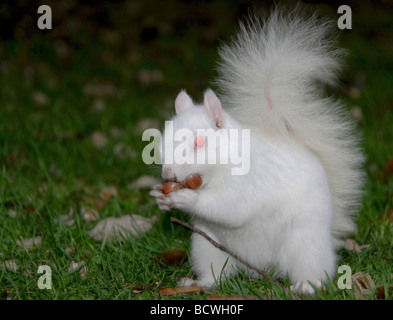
point(304, 184)
point(271, 78)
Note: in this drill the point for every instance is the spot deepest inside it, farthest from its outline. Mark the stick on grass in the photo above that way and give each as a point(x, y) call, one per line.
point(221, 247)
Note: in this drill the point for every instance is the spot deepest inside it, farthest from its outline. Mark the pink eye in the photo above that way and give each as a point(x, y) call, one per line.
point(199, 142)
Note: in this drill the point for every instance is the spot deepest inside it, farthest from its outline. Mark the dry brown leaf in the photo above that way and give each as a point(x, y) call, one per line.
point(123, 227)
point(108, 193)
point(362, 284)
point(99, 139)
point(181, 290)
point(30, 210)
point(172, 257)
point(68, 218)
point(10, 265)
point(381, 291)
point(140, 287)
point(99, 204)
point(89, 214)
point(386, 218)
point(389, 215)
point(12, 213)
point(388, 169)
point(74, 266)
point(352, 245)
point(83, 272)
point(11, 158)
point(30, 242)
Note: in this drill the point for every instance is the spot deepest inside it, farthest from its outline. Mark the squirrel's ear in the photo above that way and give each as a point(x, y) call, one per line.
point(183, 102)
point(213, 107)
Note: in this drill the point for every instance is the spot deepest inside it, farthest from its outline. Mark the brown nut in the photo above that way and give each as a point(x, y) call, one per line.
point(171, 186)
point(193, 181)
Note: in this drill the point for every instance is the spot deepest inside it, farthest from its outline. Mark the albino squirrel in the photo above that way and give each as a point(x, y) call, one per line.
point(296, 204)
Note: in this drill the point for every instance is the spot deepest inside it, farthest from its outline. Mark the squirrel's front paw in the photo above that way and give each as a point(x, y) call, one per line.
point(182, 199)
point(157, 193)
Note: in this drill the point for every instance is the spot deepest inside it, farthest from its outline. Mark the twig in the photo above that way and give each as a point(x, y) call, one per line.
point(221, 247)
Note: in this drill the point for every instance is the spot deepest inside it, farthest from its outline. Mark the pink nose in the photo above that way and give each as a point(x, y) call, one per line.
point(168, 174)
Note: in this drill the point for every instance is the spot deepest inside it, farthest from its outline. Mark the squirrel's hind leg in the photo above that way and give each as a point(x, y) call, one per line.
point(210, 264)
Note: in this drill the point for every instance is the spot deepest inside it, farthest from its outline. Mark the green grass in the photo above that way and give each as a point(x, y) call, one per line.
point(50, 165)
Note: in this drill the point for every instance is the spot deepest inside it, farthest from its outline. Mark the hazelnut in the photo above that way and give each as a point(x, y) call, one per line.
point(171, 186)
point(193, 181)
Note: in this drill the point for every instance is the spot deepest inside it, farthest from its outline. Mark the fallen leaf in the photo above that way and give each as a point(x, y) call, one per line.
point(10, 265)
point(40, 98)
point(99, 204)
point(172, 257)
point(386, 218)
point(75, 266)
point(388, 169)
point(123, 227)
point(389, 214)
point(144, 182)
point(30, 242)
point(12, 213)
point(11, 157)
point(140, 287)
point(83, 272)
point(108, 193)
point(381, 293)
point(30, 210)
point(99, 139)
point(181, 290)
point(89, 214)
point(351, 245)
point(233, 297)
point(362, 284)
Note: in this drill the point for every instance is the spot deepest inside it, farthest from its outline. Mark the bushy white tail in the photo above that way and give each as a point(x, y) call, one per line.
point(271, 78)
